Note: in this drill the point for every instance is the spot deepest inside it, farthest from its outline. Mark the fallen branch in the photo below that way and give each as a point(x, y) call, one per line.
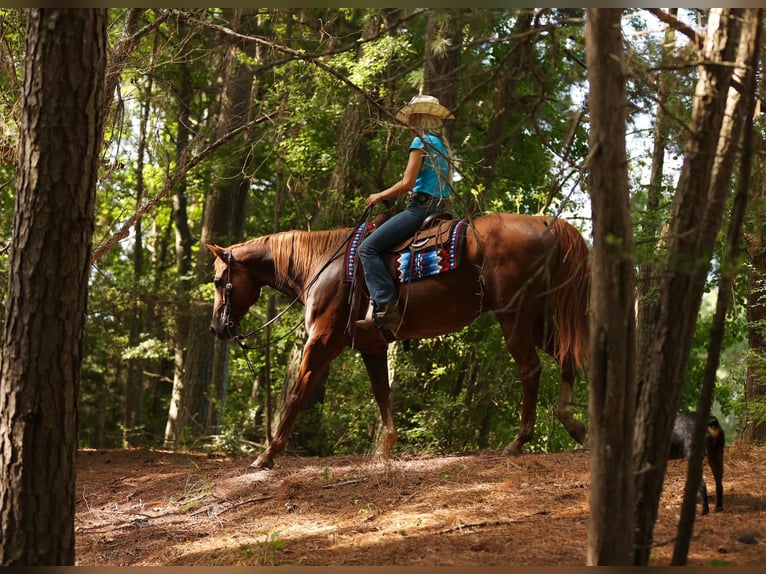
point(236, 505)
point(489, 524)
point(345, 482)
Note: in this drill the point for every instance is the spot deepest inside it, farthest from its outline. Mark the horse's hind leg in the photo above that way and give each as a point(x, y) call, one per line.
point(377, 369)
point(524, 353)
point(576, 429)
point(529, 371)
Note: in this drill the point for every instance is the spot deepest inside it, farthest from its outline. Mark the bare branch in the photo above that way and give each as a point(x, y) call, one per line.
point(676, 24)
point(185, 165)
point(127, 41)
point(314, 59)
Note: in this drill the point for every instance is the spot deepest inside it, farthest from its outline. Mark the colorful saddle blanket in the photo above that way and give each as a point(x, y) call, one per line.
point(433, 251)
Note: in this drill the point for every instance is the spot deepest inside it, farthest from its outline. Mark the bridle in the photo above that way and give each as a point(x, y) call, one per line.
point(227, 319)
point(226, 314)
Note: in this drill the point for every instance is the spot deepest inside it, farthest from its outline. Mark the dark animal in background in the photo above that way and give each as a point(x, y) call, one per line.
point(681, 444)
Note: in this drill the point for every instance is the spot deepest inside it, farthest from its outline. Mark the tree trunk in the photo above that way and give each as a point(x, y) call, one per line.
point(201, 382)
point(754, 421)
point(61, 138)
point(132, 433)
point(754, 418)
point(613, 330)
point(744, 77)
point(653, 220)
point(696, 218)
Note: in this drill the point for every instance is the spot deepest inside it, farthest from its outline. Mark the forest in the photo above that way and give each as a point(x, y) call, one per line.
point(221, 125)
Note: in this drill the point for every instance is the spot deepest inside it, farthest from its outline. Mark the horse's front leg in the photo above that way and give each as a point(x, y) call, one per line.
point(377, 369)
point(317, 355)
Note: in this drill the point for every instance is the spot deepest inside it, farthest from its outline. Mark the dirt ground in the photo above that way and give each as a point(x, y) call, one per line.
point(150, 507)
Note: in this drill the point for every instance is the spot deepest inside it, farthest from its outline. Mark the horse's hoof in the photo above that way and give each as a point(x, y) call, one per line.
point(512, 450)
point(262, 463)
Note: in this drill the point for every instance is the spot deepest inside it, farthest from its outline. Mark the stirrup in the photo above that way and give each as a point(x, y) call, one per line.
point(367, 322)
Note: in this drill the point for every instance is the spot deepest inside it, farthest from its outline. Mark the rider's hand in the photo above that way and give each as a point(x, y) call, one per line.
point(373, 199)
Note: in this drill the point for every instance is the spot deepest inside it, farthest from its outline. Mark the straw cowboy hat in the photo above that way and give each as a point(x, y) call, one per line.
point(423, 104)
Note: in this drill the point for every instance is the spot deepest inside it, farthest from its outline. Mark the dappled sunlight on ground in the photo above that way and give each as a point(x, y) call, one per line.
point(148, 507)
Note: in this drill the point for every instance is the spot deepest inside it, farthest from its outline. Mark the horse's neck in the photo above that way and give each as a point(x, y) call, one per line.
point(289, 261)
point(256, 256)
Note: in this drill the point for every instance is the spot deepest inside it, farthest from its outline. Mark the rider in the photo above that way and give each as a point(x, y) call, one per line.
point(427, 178)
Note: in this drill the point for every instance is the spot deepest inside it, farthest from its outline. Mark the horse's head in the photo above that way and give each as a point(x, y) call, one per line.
point(235, 292)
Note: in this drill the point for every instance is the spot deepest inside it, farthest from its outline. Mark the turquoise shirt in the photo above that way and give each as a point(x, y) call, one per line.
point(433, 177)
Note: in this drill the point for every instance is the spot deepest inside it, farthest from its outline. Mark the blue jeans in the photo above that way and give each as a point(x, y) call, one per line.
point(399, 227)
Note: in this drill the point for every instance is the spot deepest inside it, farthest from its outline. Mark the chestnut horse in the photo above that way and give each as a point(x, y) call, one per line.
point(532, 272)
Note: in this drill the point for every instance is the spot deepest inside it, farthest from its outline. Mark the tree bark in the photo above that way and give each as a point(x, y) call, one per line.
point(653, 219)
point(754, 419)
point(61, 138)
point(132, 433)
point(613, 330)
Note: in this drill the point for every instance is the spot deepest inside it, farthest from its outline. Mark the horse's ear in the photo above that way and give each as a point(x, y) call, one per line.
point(216, 250)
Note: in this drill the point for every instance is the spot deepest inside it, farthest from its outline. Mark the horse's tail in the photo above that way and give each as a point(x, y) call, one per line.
point(570, 296)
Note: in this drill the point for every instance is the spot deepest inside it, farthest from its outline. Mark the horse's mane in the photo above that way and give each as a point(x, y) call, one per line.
point(299, 255)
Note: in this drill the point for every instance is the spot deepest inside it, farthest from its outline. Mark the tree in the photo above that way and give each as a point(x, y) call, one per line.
point(741, 95)
point(697, 212)
point(203, 375)
point(515, 66)
point(61, 138)
point(613, 328)
point(754, 420)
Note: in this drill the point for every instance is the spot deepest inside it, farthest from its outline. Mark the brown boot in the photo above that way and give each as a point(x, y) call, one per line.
point(388, 317)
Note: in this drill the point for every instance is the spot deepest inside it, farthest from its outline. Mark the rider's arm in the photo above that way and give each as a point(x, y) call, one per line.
point(404, 185)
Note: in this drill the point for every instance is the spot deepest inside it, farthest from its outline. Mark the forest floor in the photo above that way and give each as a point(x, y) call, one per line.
point(151, 507)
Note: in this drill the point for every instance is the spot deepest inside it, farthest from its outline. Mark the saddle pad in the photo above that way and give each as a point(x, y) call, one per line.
point(414, 264)
point(352, 252)
point(419, 264)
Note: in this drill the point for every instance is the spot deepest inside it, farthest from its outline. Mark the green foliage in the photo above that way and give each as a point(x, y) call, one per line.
point(269, 549)
point(731, 372)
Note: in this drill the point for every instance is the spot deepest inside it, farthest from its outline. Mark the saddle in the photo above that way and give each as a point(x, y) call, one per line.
point(434, 248)
point(435, 231)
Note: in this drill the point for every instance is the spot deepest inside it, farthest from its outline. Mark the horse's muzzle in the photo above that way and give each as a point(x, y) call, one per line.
point(224, 331)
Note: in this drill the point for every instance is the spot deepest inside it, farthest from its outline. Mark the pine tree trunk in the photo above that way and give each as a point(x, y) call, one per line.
point(201, 380)
point(754, 419)
point(652, 222)
point(613, 331)
point(61, 138)
point(132, 433)
point(754, 423)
